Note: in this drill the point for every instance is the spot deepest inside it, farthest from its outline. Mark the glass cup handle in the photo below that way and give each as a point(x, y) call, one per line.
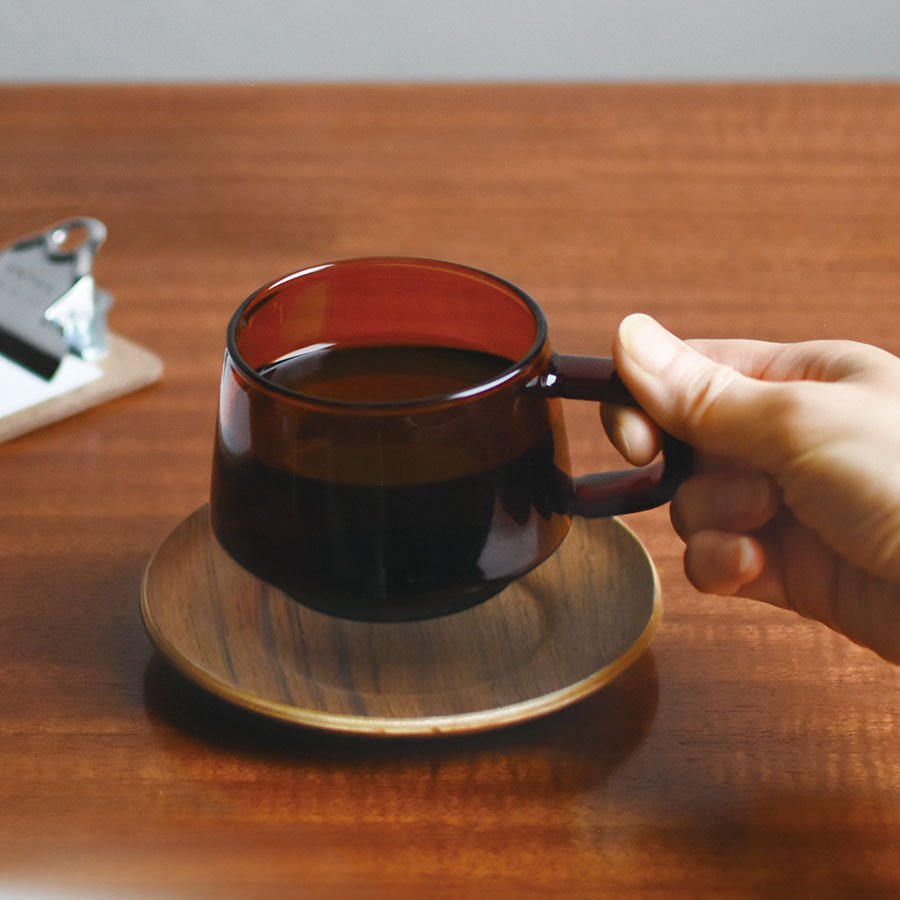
point(628, 490)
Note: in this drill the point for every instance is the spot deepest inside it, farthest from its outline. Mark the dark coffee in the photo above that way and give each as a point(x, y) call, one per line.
point(383, 374)
point(378, 539)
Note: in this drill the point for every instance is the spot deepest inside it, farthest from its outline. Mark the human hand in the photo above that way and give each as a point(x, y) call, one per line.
point(795, 498)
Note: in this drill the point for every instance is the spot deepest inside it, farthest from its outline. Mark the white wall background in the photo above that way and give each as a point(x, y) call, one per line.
point(259, 40)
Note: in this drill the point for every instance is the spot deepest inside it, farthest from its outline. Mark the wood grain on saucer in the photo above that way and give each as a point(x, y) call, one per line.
point(549, 639)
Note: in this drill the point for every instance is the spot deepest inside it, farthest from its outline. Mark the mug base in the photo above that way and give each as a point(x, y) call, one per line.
point(399, 609)
point(383, 607)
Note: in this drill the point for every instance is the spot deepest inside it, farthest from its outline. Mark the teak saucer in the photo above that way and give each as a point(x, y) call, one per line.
point(556, 635)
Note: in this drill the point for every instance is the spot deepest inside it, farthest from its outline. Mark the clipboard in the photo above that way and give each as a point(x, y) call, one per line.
point(126, 368)
point(57, 356)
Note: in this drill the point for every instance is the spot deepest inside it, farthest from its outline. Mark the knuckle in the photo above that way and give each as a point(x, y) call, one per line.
point(799, 421)
point(704, 392)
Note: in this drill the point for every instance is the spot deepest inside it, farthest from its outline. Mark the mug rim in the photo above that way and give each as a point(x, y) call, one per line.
point(504, 378)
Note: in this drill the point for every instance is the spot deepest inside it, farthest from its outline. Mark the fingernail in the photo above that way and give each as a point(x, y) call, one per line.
point(620, 439)
point(648, 343)
point(745, 553)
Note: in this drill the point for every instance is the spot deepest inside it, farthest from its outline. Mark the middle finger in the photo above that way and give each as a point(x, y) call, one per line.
point(737, 501)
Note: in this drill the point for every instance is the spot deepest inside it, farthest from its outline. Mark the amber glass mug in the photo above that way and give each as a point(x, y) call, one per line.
point(390, 442)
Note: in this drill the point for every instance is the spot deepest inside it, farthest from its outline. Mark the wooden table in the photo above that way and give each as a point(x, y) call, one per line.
point(748, 754)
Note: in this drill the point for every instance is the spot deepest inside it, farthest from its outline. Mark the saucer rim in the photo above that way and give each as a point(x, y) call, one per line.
point(405, 726)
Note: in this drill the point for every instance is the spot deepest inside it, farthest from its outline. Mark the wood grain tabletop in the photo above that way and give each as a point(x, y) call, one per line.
point(747, 754)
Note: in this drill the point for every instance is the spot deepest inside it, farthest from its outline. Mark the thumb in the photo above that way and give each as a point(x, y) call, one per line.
point(711, 406)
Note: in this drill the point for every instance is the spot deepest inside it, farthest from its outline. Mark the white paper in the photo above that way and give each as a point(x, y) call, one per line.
point(20, 389)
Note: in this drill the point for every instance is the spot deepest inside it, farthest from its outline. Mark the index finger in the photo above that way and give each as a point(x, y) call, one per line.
point(638, 438)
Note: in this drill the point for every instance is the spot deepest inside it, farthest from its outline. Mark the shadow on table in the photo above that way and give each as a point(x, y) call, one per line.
point(601, 730)
point(375, 813)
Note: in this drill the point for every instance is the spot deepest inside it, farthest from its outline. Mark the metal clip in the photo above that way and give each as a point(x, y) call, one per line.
point(49, 302)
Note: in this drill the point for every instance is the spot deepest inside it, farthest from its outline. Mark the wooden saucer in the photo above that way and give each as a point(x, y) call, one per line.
point(551, 638)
